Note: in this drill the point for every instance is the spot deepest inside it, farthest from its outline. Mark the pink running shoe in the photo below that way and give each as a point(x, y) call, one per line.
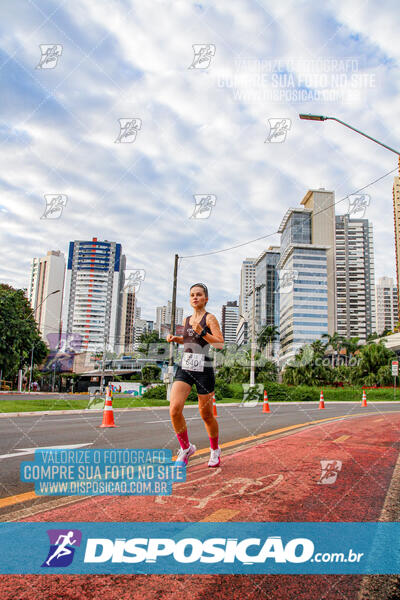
point(184, 454)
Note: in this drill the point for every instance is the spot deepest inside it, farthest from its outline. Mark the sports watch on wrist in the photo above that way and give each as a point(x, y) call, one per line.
point(203, 332)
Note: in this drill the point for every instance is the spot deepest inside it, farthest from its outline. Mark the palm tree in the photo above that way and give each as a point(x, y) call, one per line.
point(318, 347)
point(372, 336)
point(372, 358)
point(268, 334)
point(350, 345)
point(334, 341)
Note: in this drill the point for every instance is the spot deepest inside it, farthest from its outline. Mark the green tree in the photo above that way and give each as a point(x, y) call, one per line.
point(371, 358)
point(266, 337)
point(150, 373)
point(308, 368)
point(152, 345)
point(269, 372)
point(333, 341)
point(19, 333)
point(372, 336)
point(351, 345)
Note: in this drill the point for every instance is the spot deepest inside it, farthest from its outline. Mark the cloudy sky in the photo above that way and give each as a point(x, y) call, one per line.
point(202, 128)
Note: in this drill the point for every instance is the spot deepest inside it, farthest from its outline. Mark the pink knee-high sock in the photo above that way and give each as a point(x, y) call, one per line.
point(183, 439)
point(214, 443)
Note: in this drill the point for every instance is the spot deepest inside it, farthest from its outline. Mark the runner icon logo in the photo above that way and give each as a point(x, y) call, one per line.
point(62, 547)
point(329, 471)
point(252, 394)
point(203, 54)
point(278, 129)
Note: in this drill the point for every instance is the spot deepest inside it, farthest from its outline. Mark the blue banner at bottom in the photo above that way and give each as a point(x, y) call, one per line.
point(206, 548)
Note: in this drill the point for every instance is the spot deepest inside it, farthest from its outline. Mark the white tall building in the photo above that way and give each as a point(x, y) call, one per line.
point(164, 314)
point(92, 299)
point(230, 321)
point(355, 278)
point(140, 327)
point(128, 309)
point(48, 276)
point(307, 272)
point(387, 311)
point(247, 275)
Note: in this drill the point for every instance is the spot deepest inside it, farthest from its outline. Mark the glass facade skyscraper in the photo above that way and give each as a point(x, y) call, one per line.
point(307, 273)
point(304, 301)
point(266, 284)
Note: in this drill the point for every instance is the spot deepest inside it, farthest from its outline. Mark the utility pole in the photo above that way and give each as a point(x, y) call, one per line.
point(169, 376)
point(54, 375)
point(103, 363)
point(253, 331)
point(30, 372)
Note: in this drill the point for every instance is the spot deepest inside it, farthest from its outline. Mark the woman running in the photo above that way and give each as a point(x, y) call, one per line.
point(200, 331)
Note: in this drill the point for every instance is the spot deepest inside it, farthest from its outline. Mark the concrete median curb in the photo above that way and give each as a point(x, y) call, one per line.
point(221, 405)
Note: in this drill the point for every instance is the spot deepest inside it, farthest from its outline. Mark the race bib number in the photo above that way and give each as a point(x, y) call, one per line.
point(192, 361)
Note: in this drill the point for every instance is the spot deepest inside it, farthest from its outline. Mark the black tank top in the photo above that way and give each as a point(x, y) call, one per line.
point(192, 341)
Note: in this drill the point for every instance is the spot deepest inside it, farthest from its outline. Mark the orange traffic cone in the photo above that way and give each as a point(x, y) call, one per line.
point(321, 400)
point(108, 413)
point(214, 407)
point(265, 403)
point(364, 399)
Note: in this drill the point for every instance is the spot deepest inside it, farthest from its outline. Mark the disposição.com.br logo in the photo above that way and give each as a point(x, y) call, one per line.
point(62, 547)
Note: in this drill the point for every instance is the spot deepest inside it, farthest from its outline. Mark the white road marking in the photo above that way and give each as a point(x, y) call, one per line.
point(70, 418)
point(24, 451)
point(169, 420)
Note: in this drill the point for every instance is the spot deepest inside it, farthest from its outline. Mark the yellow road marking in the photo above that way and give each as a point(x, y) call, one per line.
point(223, 514)
point(275, 432)
point(18, 498)
point(376, 420)
point(31, 495)
point(341, 438)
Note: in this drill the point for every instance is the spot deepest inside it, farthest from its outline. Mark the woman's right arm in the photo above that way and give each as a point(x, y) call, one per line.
point(178, 339)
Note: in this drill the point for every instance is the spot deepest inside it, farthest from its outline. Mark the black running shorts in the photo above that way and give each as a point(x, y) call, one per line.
point(203, 380)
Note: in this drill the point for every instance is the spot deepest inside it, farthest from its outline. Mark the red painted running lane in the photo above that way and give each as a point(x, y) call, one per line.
point(277, 480)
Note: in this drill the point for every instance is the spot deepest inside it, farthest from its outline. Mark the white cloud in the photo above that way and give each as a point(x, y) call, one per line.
point(195, 136)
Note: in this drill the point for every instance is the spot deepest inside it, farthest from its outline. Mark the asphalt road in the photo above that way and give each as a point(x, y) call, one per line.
point(149, 429)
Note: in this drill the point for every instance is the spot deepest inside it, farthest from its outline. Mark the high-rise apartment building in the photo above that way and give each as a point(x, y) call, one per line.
point(307, 272)
point(247, 275)
point(126, 336)
point(387, 312)
point(93, 286)
point(163, 316)
point(140, 327)
point(355, 277)
point(229, 321)
point(47, 276)
point(322, 204)
point(396, 211)
point(267, 288)
point(242, 331)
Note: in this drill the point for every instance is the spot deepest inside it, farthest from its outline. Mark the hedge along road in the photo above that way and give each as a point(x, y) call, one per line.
point(149, 428)
point(28, 402)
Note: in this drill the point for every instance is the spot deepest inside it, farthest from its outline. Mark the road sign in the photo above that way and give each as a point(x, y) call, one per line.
point(395, 368)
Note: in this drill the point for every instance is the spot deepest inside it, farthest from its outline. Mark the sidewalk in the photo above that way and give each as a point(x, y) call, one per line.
point(277, 480)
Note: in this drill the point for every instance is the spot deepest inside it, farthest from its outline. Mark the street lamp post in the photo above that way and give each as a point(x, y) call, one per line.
point(168, 378)
point(253, 333)
point(253, 341)
point(38, 306)
point(309, 117)
point(31, 369)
